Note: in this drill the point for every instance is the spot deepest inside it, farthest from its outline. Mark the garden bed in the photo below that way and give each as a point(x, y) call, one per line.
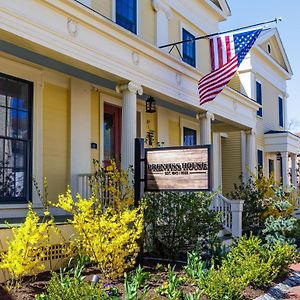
point(36, 285)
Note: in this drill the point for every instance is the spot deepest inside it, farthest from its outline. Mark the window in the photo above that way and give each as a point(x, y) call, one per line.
point(271, 167)
point(259, 98)
point(189, 48)
point(280, 109)
point(189, 136)
point(126, 14)
point(260, 160)
point(15, 139)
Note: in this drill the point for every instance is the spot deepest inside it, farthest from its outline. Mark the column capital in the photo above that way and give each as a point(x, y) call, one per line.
point(160, 5)
point(131, 86)
point(206, 115)
point(250, 131)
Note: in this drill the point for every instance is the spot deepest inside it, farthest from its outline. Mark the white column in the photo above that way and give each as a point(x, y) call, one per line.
point(285, 168)
point(251, 152)
point(80, 130)
point(237, 214)
point(205, 127)
point(128, 91)
point(217, 161)
point(163, 15)
point(244, 155)
point(294, 169)
point(285, 120)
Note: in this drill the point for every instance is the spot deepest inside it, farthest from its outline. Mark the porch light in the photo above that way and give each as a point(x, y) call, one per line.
point(278, 156)
point(150, 105)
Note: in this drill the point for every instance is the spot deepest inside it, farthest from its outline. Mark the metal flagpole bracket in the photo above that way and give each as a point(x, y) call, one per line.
point(174, 45)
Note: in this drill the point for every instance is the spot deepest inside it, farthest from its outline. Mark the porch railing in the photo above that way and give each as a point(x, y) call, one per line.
point(231, 213)
point(231, 210)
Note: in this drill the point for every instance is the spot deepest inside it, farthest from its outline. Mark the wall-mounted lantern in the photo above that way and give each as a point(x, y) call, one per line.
point(278, 156)
point(150, 105)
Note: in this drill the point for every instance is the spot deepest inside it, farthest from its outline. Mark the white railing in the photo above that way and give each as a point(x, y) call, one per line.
point(83, 185)
point(231, 212)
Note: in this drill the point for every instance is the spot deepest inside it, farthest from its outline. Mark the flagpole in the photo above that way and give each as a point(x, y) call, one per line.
point(276, 20)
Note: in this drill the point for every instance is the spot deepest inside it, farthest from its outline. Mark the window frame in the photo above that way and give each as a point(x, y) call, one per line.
point(194, 131)
point(280, 116)
point(184, 122)
point(194, 65)
point(259, 113)
point(114, 16)
point(28, 169)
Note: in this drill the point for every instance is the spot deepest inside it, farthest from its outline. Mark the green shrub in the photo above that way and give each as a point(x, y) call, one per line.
point(195, 268)
point(66, 287)
point(249, 262)
point(176, 221)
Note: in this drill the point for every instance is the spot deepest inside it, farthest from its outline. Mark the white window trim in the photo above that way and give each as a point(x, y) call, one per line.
point(195, 34)
point(189, 124)
point(114, 13)
point(34, 75)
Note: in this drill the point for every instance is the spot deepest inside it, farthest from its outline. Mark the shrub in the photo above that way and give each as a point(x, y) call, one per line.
point(261, 196)
point(176, 221)
point(248, 263)
point(67, 287)
point(107, 233)
point(27, 248)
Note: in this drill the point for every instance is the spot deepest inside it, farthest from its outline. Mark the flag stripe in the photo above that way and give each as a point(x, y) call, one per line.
point(220, 54)
point(228, 52)
point(212, 55)
point(224, 52)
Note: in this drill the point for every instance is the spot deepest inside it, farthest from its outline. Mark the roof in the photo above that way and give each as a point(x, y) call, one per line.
point(297, 135)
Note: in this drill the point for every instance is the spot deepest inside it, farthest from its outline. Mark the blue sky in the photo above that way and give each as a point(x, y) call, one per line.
point(246, 12)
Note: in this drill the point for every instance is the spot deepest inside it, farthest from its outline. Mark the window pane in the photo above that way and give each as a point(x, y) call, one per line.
point(126, 14)
point(19, 151)
point(20, 180)
point(2, 121)
point(189, 49)
point(12, 102)
point(23, 101)
point(12, 123)
point(12, 88)
point(23, 127)
point(9, 159)
point(2, 100)
point(7, 187)
point(189, 137)
point(108, 136)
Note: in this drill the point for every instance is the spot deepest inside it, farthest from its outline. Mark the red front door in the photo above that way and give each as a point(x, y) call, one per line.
point(112, 133)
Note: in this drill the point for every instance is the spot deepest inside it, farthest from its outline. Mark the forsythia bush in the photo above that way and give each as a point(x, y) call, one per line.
point(27, 248)
point(107, 234)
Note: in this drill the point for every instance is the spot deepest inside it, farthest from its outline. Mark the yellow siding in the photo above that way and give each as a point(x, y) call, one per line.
point(174, 133)
point(150, 123)
point(103, 6)
point(147, 22)
point(56, 138)
point(231, 161)
point(235, 82)
point(95, 125)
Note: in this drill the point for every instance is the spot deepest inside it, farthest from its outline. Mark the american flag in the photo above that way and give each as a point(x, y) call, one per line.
point(227, 53)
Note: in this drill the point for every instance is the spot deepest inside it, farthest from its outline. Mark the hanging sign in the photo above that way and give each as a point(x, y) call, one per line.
point(178, 169)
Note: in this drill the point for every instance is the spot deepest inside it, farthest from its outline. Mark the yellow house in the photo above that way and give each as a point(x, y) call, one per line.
point(75, 75)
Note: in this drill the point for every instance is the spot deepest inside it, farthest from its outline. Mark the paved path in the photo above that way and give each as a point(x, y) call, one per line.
point(288, 289)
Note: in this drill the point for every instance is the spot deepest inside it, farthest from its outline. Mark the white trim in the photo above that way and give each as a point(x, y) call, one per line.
point(86, 2)
point(114, 17)
point(182, 26)
point(34, 75)
point(189, 124)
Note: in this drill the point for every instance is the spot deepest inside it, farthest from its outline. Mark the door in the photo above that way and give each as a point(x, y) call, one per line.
point(112, 133)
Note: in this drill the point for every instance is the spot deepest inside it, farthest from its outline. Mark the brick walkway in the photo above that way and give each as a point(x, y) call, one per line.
point(294, 292)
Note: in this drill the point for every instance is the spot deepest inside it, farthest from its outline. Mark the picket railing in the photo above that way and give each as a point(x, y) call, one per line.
point(231, 214)
point(230, 210)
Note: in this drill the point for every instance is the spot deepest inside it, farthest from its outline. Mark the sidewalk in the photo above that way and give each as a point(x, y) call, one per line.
point(294, 292)
point(288, 289)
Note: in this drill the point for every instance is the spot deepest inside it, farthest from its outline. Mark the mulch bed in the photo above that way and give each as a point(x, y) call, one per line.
point(36, 285)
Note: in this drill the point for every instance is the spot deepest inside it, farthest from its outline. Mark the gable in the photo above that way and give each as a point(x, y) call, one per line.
point(271, 48)
point(270, 43)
